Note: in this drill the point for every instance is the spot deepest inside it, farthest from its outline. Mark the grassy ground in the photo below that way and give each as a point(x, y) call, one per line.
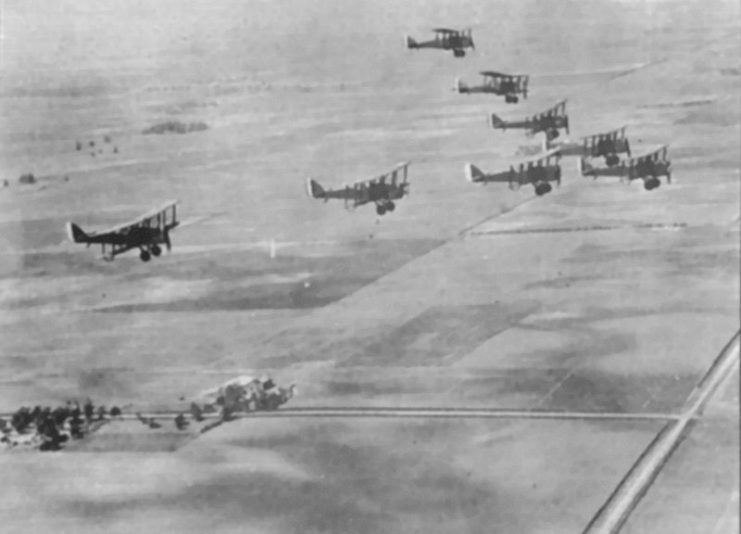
point(359, 310)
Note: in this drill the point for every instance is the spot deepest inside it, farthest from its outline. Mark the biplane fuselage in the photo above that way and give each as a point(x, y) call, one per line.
point(539, 173)
point(381, 191)
point(506, 85)
point(549, 122)
point(146, 233)
point(649, 168)
point(608, 145)
point(445, 39)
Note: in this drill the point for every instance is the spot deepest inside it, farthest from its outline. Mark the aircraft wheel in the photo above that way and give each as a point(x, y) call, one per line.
point(390, 206)
point(459, 53)
point(380, 209)
point(144, 256)
point(513, 99)
point(155, 250)
point(651, 183)
point(552, 134)
point(540, 190)
point(611, 160)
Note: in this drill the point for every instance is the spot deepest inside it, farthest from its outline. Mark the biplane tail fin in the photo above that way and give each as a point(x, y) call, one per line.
point(473, 173)
point(496, 122)
point(459, 86)
point(75, 233)
point(411, 43)
point(314, 190)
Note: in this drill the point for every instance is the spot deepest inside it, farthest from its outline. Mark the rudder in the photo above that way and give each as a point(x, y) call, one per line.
point(75, 233)
point(314, 190)
point(495, 121)
point(473, 173)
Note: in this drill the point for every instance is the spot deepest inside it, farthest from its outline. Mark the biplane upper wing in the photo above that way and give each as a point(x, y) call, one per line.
point(446, 31)
point(558, 110)
point(612, 142)
point(151, 219)
point(495, 74)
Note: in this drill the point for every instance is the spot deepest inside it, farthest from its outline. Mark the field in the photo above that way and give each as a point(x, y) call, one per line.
point(601, 305)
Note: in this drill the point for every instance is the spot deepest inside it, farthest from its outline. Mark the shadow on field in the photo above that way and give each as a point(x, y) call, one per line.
point(443, 332)
point(401, 480)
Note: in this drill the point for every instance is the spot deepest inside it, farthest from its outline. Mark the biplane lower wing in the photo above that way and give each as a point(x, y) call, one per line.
point(539, 173)
point(549, 122)
point(607, 145)
point(477, 176)
point(146, 233)
point(382, 191)
point(649, 168)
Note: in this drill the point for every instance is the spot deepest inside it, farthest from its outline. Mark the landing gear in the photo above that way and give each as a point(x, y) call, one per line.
point(611, 160)
point(511, 99)
point(651, 183)
point(542, 188)
point(551, 134)
point(144, 255)
point(155, 250)
point(459, 53)
point(384, 206)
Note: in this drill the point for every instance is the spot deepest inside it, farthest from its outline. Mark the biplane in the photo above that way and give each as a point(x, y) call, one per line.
point(648, 167)
point(550, 121)
point(498, 83)
point(146, 233)
point(446, 39)
point(382, 191)
point(607, 145)
point(538, 172)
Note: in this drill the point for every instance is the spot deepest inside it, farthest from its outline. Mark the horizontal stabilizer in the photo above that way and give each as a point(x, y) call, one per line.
point(75, 233)
point(315, 190)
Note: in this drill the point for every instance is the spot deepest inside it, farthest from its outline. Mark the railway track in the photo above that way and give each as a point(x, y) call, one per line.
point(414, 413)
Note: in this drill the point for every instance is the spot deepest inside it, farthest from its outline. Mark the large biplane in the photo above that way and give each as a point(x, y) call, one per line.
point(538, 172)
point(382, 191)
point(550, 121)
point(146, 233)
point(648, 167)
point(607, 145)
point(498, 83)
point(446, 39)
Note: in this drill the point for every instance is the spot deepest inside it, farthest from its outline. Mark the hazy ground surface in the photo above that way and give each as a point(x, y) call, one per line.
point(464, 296)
